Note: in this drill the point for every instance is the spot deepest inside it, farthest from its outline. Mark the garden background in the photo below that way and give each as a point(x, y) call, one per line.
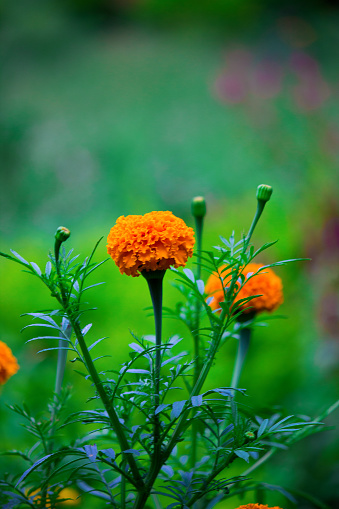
point(113, 107)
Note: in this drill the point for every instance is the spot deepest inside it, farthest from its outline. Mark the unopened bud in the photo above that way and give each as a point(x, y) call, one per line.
point(250, 435)
point(264, 192)
point(199, 206)
point(62, 234)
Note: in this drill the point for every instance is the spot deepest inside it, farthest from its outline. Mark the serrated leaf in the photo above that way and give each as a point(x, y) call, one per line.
point(277, 424)
point(96, 342)
point(262, 427)
point(92, 286)
point(19, 257)
point(177, 407)
point(91, 452)
point(109, 452)
point(33, 467)
point(179, 356)
point(189, 274)
point(227, 429)
point(242, 454)
point(196, 400)
point(48, 269)
point(160, 408)
point(141, 371)
point(36, 268)
point(132, 451)
point(150, 338)
point(86, 329)
point(201, 286)
point(136, 347)
point(168, 470)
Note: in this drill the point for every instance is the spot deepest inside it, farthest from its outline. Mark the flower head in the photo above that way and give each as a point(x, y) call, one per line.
point(8, 363)
point(257, 506)
point(266, 284)
point(67, 496)
point(154, 241)
point(62, 234)
point(199, 206)
point(70, 495)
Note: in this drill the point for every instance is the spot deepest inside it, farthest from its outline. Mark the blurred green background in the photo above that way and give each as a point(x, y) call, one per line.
point(122, 107)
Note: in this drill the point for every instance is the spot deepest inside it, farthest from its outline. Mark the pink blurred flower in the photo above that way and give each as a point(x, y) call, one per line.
point(312, 90)
point(267, 79)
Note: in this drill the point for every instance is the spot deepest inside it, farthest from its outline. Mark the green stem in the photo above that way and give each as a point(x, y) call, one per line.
point(199, 221)
point(260, 207)
point(62, 357)
point(155, 287)
point(210, 478)
point(123, 488)
point(181, 425)
point(107, 403)
point(155, 280)
point(62, 353)
point(244, 341)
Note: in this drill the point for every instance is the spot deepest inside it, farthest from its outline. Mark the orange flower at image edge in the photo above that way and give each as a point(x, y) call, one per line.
point(257, 506)
point(266, 284)
point(154, 241)
point(8, 363)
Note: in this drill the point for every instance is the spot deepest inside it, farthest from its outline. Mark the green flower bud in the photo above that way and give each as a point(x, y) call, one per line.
point(62, 234)
point(264, 192)
point(199, 206)
point(250, 435)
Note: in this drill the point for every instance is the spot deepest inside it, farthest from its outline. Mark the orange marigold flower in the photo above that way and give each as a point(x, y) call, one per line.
point(69, 494)
point(257, 506)
point(154, 241)
point(266, 284)
point(8, 363)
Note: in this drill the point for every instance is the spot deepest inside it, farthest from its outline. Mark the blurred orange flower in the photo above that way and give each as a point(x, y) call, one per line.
point(257, 506)
point(71, 494)
point(154, 241)
point(266, 284)
point(8, 363)
point(66, 493)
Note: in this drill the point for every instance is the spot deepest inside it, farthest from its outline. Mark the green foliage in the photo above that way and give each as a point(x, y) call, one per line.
point(135, 448)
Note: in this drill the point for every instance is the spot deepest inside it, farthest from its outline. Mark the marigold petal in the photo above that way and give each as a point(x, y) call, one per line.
point(257, 506)
point(266, 284)
point(154, 241)
point(8, 363)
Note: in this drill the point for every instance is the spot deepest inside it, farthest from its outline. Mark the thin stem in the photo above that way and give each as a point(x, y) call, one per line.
point(123, 488)
point(62, 357)
point(155, 288)
point(63, 343)
point(199, 221)
point(106, 402)
point(260, 207)
point(244, 341)
point(155, 280)
point(181, 425)
point(95, 377)
point(210, 478)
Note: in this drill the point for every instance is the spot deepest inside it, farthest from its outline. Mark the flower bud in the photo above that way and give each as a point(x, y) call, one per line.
point(199, 206)
point(264, 192)
point(62, 234)
point(250, 435)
